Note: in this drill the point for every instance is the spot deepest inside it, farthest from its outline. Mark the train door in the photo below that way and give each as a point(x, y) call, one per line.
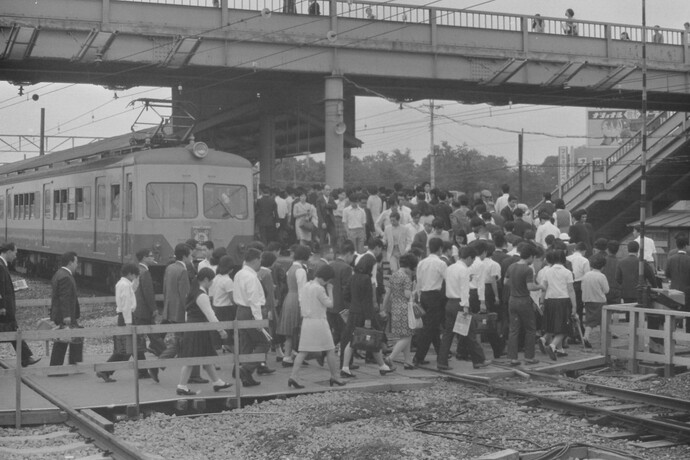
point(99, 221)
point(127, 215)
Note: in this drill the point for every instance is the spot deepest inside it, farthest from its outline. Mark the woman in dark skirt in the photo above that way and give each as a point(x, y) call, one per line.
point(361, 311)
point(200, 343)
point(559, 304)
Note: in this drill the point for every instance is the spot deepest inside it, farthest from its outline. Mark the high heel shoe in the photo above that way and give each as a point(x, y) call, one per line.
point(386, 371)
point(293, 383)
point(336, 382)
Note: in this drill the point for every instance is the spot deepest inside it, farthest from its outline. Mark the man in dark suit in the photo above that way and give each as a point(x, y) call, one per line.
point(341, 292)
point(678, 267)
point(8, 307)
point(443, 210)
point(581, 231)
point(146, 310)
point(627, 274)
point(266, 215)
point(507, 211)
point(325, 204)
point(64, 309)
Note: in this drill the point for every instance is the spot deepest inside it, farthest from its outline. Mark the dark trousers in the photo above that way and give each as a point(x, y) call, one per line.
point(76, 352)
point(26, 351)
point(492, 336)
point(267, 233)
point(173, 349)
point(156, 342)
point(433, 302)
point(468, 344)
point(251, 340)
point(226, 313)
point(577, 287)
point(522, 317)
point(120, 352)
point(337, 325)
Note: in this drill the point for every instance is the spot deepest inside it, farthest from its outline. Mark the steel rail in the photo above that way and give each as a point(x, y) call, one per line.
point(677, 431)
point(104, 440)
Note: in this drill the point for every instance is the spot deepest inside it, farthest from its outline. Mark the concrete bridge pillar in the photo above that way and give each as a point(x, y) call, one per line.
point(334, 130)
point(267, 148)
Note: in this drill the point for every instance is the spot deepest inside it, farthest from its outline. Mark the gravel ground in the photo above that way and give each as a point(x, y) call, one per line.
point(12, 439)
point(355, 425)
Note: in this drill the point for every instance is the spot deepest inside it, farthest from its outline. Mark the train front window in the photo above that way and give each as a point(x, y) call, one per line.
point(223, 201)
point(171, 201)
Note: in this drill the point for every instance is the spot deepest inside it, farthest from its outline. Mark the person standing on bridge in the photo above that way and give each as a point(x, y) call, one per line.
point(314, 8)
point(569, 26)
point(8, 321)
point(537, 24)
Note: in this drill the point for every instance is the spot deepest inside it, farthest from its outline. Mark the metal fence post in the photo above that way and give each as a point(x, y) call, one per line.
point(18, 381)
point(135, 355)
point(236, 356)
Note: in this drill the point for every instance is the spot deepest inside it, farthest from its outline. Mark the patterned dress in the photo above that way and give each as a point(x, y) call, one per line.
point(290, 316)
point(399, 283)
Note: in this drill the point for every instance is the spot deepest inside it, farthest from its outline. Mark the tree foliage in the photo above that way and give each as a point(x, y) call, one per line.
point(457, 167)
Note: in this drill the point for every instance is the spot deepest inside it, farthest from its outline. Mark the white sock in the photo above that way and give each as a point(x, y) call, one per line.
point(182, 387)
point(219, 382)
point(384, 367)
point(346, 369)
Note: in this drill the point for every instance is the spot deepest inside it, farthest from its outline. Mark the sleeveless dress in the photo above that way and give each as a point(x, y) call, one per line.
point(290, 316)
point(399, 283)
point(196, 343)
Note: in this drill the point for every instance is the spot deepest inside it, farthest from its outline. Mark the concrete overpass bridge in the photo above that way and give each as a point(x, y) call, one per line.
point(266, 82)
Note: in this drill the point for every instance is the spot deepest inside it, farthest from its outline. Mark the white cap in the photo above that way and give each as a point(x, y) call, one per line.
point(564, 237)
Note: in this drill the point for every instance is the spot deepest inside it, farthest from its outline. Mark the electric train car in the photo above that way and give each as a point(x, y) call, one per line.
point(108, 199)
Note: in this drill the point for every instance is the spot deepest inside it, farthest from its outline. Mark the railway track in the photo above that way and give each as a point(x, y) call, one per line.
point(650, 420)
point(81, 427)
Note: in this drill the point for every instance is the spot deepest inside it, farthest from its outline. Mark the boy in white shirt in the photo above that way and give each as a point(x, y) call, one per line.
point(595, 286)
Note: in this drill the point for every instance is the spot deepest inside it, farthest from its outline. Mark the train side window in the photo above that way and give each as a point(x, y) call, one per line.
point(2, 207)
point(56, 204)
point(171, 200)
point(31, 199)
point(64, 203)
point(128, 197)
point(115, 201)
point(9, 206)
point(47, 206)
point(71, 203)
point(86, 203)
point(79, 199)
point(36, 214)
point(100, 201)
point(224, 201)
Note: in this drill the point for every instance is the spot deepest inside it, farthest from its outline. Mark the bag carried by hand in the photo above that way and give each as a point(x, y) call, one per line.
point(414, 316)
point(367, 339)
point(307, 225)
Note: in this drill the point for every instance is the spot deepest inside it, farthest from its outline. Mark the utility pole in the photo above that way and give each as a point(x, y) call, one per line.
point(642, 285)
point(432, 150)
point(521, 137)
point(42, 148)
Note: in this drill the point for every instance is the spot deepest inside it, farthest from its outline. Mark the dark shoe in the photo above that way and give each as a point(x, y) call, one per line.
point(387, 371)
point(143, 374)
point(279, 359)
point(587, 344)
point(481, 365)
point(297, 386)
point(561, 353)
point(515, 362)
point(354, 367)
point(542, 346)
point(153, 372)
point(197, 380)
point(409, 367)
point(287, 363)
point(217, 388)
point(531, 361)
point(30, 362)
point(443, 367)
point(264, 370)
point(106, 377)
point(333, 381)
point(552, 353)
point(388, 362)
point(347, 375)
point(424, 362)
point(186, 392)
point(250, 382)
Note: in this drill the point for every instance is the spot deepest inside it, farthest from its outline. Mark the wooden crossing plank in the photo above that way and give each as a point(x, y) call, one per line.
point(656, 444)
point(619, 435)
point(621, 407)
point(589, 400)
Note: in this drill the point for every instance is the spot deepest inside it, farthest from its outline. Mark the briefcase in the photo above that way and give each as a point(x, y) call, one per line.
point(367, 339)
point(486, 322)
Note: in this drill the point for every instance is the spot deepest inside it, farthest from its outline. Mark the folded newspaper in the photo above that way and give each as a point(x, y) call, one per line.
point(20, 285)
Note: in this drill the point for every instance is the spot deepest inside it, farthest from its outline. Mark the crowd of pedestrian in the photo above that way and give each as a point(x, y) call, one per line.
point(537, 275)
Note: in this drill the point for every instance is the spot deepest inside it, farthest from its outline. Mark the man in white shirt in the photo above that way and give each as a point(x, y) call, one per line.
point(649, 247)
point(502, 201)
point(431, 273)
point(384, 219)
point(413, 227)
point(126, 303)
point(206, 253)
point(248, 295)
point(580, 266)
point(458, 293)
point(374, 203)
point(355, 221)
point(545, 229)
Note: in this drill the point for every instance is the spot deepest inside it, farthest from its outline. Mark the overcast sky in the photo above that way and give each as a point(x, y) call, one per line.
point(82, 110)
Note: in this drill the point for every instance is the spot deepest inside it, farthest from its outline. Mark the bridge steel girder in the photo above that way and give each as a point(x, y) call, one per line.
point(414, 61)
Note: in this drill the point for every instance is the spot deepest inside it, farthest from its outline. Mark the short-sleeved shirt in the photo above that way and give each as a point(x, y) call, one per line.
point(557, 278)
point(519, 275)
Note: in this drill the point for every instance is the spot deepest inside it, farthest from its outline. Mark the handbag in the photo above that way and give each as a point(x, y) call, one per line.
point(366, 339)
point(413, 321)
point(307, 225)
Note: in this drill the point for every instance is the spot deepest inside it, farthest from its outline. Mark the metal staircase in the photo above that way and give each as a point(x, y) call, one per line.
point(610, 189)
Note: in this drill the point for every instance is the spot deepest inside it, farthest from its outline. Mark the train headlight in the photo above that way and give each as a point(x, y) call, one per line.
point(198, 149)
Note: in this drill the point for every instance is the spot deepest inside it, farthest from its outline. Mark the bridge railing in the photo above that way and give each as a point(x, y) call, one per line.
point(453, 17)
